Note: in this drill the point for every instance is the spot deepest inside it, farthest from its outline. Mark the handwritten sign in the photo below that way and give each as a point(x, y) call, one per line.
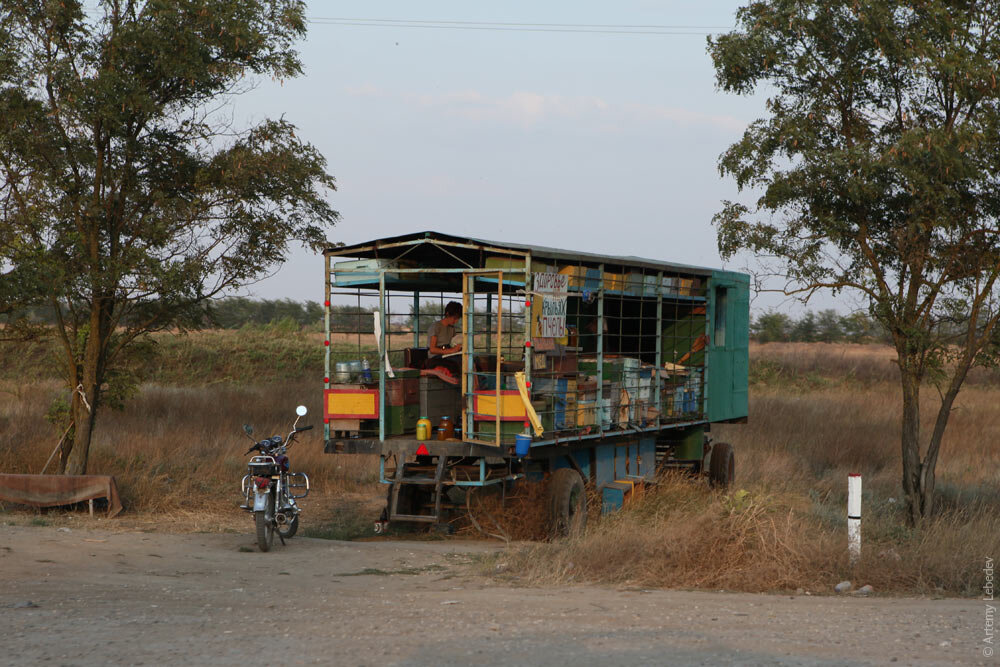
point(550, 289)
point(551, 283)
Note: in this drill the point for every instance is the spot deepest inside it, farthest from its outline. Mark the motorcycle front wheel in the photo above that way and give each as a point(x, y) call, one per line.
point(265, 528)
point(288, 530)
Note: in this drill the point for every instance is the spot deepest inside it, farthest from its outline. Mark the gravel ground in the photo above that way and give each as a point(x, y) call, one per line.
point(79, 597)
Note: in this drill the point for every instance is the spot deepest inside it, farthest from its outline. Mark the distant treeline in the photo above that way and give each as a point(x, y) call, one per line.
point(826, 326)
point(237, 312)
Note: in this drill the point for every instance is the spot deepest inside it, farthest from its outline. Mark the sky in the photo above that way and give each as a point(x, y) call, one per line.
point(596, 142)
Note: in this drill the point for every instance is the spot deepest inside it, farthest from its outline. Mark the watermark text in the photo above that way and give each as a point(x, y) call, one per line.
point(989, 625)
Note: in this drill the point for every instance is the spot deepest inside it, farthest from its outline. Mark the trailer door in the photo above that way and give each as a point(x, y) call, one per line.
point(728, 362)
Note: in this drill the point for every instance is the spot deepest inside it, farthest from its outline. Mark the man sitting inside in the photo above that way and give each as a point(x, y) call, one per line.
point(441, 334)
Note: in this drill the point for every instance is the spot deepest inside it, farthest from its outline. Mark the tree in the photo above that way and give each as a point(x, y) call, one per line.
point(772, 327)
point(828, 326)
point(805, 329)
point(352, 319)
point(858, 327)
point(128, 198)
point(877, 168)
point(235, 312)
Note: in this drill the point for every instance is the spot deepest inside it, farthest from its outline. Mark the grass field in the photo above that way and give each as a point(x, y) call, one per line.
point(818, 412)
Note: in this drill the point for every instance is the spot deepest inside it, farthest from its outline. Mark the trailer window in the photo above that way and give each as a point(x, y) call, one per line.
point(720, 316)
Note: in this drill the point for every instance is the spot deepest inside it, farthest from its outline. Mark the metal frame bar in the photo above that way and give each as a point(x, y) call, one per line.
point(422, 270)
point(326, 332)
point(656, 381)
point(600, 354)
point(399, 244)
point(615, 434)
point(467, 376)
point(383, 354)
point(568, 442)
point(447, 252)
point(482, 481)
point(416, 318)
point(529, 283)
point(499, 345)
point(467, 380)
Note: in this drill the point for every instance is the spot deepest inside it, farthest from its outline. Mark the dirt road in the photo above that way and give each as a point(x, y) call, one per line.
point(210, 599)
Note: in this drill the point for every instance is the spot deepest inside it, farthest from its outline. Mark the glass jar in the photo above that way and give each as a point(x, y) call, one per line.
point(446, 429)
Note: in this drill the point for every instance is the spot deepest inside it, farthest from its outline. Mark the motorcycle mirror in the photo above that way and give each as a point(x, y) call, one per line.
point(301, 411)
point(248, 428)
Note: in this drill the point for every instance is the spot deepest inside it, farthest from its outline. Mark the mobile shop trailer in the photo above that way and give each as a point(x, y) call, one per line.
point(578, 368)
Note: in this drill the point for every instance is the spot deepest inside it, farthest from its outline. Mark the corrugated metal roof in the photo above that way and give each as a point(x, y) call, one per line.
point(537, 252)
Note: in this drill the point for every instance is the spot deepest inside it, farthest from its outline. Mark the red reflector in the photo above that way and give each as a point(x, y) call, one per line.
point(326, 303)
point(422, 451)
point(263, 482)
point(327, 343)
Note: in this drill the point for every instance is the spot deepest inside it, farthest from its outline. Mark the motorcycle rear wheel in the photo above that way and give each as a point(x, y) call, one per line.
point(265, 530)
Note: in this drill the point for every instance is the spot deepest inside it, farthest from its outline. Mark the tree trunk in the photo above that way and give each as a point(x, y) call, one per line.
point(67, 446)
point(85, 405)
point(74, 405)
point(929, 464)
point(910, 442)
point(83, 415)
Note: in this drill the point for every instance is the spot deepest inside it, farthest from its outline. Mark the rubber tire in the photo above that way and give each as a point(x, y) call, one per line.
point(265, 528)
point(567, 504)
point(288, 530)
point(722, 465)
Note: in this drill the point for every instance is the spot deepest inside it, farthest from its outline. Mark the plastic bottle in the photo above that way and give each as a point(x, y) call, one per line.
point(423, 429)
point(366, 370)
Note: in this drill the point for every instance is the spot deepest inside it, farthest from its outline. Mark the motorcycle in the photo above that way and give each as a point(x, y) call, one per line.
point(270, 489)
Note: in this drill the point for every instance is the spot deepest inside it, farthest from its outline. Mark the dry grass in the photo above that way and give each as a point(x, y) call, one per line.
point(180, 449)
point(818, 413)
point(517, 516)
point(683, 535)
point(822, 363)
point(783, 525)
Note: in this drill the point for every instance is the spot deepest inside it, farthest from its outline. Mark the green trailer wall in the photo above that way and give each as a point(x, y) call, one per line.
point(728, 358)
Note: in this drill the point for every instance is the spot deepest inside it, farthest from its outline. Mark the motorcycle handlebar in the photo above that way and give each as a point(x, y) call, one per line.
point(288, 440)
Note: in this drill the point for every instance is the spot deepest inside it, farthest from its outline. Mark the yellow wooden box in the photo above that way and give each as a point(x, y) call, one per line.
point(614, 282)
point(350, 403)
point(511, 407)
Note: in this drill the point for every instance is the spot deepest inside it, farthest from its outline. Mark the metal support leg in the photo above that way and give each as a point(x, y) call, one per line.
point(438, 479)
point(397, 480)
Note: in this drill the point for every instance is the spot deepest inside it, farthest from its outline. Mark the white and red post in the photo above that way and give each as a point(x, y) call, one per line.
point(854, 516)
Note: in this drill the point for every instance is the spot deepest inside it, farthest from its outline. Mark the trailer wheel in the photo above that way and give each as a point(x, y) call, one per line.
point(567, 503)
point(722, 465)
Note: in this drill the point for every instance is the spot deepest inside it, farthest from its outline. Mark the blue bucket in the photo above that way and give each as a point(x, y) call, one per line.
point(522, 443)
